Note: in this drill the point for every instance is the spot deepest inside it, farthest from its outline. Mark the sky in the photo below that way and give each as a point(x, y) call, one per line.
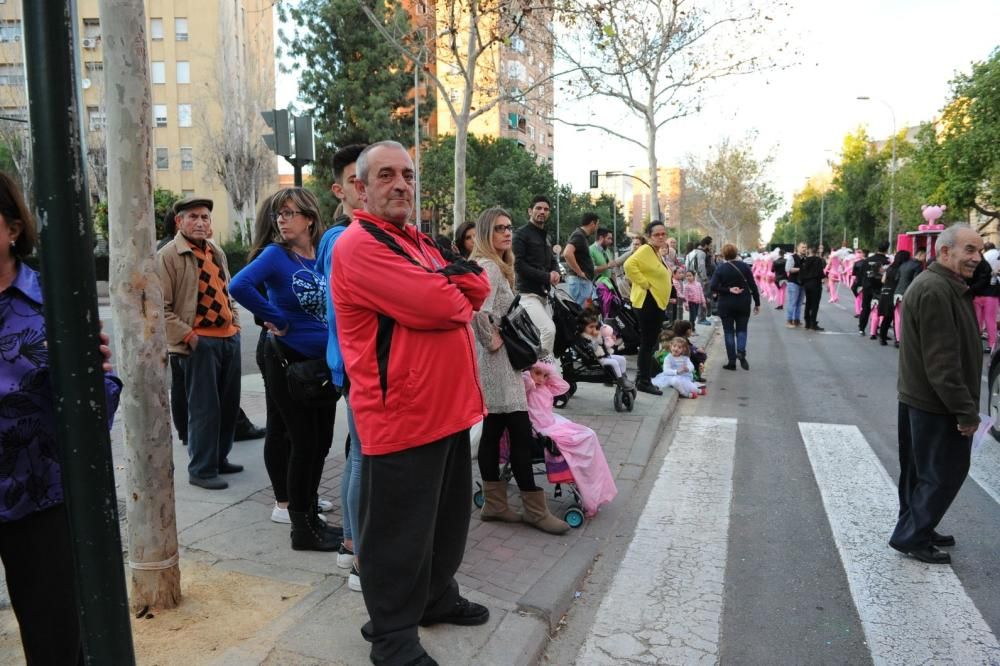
point(903, 53)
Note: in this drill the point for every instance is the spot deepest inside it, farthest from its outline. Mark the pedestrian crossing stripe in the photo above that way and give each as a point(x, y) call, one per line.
point(665, 603)
point(911, 612)
point(986, 468)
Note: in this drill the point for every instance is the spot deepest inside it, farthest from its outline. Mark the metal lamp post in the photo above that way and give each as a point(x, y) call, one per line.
point(892, 174)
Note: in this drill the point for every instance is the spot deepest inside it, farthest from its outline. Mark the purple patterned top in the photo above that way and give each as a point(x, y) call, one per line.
point(30, 476)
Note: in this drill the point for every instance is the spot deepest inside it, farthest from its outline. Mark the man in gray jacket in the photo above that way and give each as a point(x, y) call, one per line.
point(940, 366)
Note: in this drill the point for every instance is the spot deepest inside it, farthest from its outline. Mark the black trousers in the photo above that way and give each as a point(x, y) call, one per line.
point(41, 580)
point(518, 427)
point(310, 433)
point(415, 510)
point(693, 314)
point(650, 325)
point(867, 294)
point(179, 402)
point(814, 292)
point(934, 460)
point(276, 446)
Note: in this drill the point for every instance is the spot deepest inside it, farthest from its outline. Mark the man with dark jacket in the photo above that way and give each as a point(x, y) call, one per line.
point(874, 267)
point(811, 281)
point(940, 368)
point(536, 270)
point(403, 316)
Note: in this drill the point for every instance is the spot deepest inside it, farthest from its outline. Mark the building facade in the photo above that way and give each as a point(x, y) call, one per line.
point(211, 72)
point(631, 187)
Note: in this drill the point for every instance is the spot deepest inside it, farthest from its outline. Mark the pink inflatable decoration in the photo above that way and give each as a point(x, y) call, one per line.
point(932, 214)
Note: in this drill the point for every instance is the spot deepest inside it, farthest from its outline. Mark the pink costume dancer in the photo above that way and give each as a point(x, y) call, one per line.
point(833, 276)
point(875, 318)
point(577, 443)
point(987, 306)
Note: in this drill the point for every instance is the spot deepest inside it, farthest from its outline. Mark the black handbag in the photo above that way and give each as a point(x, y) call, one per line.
point(309, 382)
point(520, 336)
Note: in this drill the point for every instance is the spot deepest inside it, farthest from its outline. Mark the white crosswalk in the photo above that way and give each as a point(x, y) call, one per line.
point(665, 604)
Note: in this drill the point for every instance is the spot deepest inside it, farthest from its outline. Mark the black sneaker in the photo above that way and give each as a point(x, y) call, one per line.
point(465, 613)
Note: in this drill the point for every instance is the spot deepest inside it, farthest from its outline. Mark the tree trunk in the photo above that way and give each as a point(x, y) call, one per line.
point(654, 179)
point(137, 304)
point(461, 147)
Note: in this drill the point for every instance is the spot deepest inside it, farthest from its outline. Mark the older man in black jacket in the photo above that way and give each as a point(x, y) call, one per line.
point(536, 270)
point(940, 368)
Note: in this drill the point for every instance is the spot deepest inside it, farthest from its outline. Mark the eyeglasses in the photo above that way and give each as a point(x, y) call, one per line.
point(286, 214)
point(501, 228)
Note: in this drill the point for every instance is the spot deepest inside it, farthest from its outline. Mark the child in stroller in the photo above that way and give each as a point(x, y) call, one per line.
point(577, 357)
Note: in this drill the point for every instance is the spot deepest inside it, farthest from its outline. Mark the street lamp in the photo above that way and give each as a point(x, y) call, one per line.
point(892, 174)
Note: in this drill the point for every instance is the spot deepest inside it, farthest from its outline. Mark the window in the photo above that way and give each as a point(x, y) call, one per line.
point(516, 70)
point(183, 71)
point(158, 72)
point(421, 8)
point(181, 29)
point(95, 118)
point(156, 29)
point(190, 193)
point(160, 115)
point(91, 28)
point(453, 94)
point(10, 31)
point(187, 159)
point(162, 158)
point(531, 132)
point(517, 43)
point(512, 121)
point(184, 115)
point(11, 74)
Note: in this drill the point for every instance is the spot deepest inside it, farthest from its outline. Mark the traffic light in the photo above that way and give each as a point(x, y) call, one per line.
point(593, 179)
point(305, 144)
point(281, 141)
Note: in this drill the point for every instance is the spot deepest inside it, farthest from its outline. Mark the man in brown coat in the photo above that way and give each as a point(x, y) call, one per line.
point(203, 329)
point(940, 365)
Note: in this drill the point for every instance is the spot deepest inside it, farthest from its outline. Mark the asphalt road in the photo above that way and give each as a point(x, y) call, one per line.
point(795, 568)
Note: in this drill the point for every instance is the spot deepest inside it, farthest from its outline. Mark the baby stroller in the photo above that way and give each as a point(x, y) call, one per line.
point(577, 358)
point(619, 314)
point(545, 459)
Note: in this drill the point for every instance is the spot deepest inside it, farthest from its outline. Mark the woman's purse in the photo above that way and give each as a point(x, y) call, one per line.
point(520, 336)
point(309, 382)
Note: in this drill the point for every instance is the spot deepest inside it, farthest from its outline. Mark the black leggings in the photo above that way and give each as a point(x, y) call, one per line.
point(310, 433)
point(518, 429)
point(275, 434)
point(650, 325)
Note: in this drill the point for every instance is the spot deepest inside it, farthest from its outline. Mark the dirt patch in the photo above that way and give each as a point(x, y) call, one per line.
point(219, 609)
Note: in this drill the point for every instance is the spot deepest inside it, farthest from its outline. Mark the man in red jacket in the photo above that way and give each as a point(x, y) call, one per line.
point(403, 318)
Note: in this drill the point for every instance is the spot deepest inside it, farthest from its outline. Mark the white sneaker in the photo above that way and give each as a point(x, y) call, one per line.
point(325, 506)
point(354, 580)
point(345, 557)
point(279, 515)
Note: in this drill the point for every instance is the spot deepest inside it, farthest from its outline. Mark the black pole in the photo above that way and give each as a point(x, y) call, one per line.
point(70, 293)
point(298, 172)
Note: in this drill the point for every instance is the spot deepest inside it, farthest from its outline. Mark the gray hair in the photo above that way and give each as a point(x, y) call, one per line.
point(949, 236)
point(362, 165)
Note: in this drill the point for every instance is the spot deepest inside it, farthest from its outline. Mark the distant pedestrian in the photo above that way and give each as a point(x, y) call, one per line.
point(780, 279)
point(203, 328)
point(537, 270)
point(465, 238)
point(651, 286)
point(887, 300)
point(907, 272)
point(694, 296)
point(794, 295)
point(873, 268)
point(577, 256)
point(986, 292)
point(811, 281)
point(940, 373)
point(698, 261)
point(734, 284)
point(403, 316)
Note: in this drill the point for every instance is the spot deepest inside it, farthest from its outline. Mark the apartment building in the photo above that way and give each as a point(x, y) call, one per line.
point(518, 68)
point(211, 69)
point(631, 187)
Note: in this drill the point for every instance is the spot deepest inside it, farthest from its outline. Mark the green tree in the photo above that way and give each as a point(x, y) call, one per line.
point(859, 179)
point(962, 158)
point(358, 86)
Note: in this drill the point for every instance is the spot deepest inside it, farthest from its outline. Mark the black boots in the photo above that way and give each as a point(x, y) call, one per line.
point(311, 533)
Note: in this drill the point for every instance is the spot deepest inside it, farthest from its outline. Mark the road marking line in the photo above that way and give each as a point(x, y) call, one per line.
point(911, 612)
point(986, 467)
point(665, 603)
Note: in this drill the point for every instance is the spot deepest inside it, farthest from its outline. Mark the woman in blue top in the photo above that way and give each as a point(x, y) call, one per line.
point(294, 313)
point(34, 531)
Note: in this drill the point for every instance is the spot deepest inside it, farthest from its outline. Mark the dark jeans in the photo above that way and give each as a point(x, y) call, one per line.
point(310, 432)
point(867, 294)
point(518, 428)
point(179, 405)
point(212, 379)
point(276, 446)
point(415, 510)
point(650, 325)
point(41, 581)
point(814, 292)
point(693, 314)
point(934, 460)
point(734, 331)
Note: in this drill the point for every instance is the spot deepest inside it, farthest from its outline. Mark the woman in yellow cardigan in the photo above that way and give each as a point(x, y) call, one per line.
point(651, 284)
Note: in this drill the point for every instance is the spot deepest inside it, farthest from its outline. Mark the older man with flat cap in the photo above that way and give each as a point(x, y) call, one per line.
point(203, 330)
